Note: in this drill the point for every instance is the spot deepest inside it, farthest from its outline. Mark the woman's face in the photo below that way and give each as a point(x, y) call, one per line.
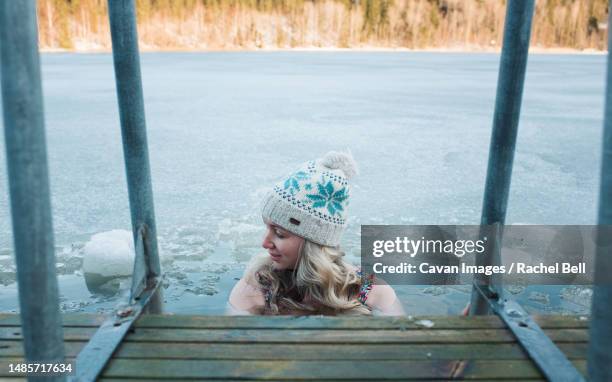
point(283, 246)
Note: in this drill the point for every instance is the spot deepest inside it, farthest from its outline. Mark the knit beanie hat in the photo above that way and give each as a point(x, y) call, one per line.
point(312, 202)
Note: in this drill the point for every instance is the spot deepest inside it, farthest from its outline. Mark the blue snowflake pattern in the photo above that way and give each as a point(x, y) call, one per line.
point(293, 182)
point(328, 198)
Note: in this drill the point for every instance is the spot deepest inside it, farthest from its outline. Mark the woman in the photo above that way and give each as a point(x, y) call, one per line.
point(304, 271)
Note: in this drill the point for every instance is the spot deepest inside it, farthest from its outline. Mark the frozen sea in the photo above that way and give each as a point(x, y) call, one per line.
point(222, 127)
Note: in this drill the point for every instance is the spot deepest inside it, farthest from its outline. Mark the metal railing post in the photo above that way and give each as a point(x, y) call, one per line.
point(600, 336)
point(122, 15)
point(513, 64)
point(24, 128)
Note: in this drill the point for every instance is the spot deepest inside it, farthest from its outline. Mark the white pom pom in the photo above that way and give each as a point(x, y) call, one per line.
point(342, 161)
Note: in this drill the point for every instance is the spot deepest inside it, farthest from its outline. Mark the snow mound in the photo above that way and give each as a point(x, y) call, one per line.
point(109, 254)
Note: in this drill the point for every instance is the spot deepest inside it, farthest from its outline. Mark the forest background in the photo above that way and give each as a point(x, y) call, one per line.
point(464, 25)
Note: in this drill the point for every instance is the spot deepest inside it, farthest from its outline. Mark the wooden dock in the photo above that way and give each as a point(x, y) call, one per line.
point(215, 348)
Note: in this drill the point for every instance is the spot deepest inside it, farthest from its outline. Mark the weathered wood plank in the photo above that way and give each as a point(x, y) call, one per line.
point(312, 336)
point(310, 351)
point(313, 370)
point(350, 323)
point(342, 336)
point(69, 319)
point(311, 322)
point(316, 370)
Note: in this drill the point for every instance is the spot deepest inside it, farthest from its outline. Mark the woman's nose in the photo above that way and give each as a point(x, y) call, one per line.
point(267, 243)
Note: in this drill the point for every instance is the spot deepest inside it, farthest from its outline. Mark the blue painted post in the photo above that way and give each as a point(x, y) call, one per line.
point(600, 344)
point(126, 60)
point(24, 129)
point(515, 48)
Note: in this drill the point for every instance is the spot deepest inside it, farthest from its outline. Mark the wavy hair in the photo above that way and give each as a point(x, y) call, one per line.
point(321, 283)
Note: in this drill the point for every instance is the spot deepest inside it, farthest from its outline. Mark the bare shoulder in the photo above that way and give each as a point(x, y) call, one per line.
point(382, 298)
point(247, 297)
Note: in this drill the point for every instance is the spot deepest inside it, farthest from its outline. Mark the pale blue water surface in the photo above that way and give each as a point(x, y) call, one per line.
point(222, 127)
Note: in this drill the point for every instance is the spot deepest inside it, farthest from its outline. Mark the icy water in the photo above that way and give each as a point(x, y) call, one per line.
point(224, 126)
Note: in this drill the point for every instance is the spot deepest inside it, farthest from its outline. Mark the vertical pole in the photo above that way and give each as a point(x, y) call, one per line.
point(126, 59)
point(600, 338)
point(515, 48)
point(24, 129)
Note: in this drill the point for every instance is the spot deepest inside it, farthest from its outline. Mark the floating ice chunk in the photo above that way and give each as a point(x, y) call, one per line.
point(8, 272)
point(74, 306)
point(577, 295)
point(515, 289)
point(435, 290)
point(425, 323)
point(204, 290)
point(69, 261)
point(108, 255)
point(542, 298)
point(240, 234)
point(7, 261)
point(223, 229)
point(7, 277)
point(210, 279)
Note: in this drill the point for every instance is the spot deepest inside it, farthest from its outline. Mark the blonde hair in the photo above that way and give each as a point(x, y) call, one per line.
point(321, 283)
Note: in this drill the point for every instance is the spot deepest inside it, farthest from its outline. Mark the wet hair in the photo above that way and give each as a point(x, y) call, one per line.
point(321, 283)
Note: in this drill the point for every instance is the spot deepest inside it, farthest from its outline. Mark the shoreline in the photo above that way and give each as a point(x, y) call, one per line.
point(466, 50)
